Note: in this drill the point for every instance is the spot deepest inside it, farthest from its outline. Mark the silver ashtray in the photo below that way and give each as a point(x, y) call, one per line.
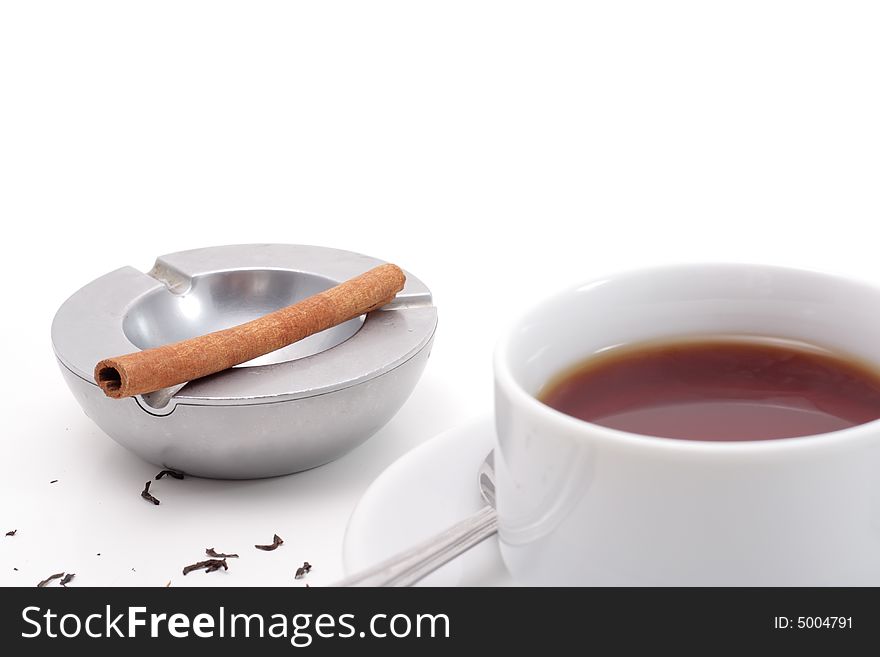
point(290, 410)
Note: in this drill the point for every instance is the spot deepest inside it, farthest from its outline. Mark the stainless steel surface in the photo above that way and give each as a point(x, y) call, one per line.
point(222, 299)
point(291, 410)
point(416, 563)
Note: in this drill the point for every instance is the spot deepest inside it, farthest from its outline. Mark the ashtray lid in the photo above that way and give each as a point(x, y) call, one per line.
point(194, 292)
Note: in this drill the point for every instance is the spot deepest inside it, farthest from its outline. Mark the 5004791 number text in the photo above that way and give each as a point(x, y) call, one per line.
point(812, 622)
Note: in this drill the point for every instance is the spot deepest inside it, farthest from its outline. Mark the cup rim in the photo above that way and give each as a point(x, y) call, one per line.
point(585, 430)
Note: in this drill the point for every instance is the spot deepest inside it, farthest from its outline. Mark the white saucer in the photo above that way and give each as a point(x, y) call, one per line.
point(422, 493)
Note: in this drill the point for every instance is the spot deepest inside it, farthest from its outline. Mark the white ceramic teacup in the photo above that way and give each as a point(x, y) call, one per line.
point(581, 504)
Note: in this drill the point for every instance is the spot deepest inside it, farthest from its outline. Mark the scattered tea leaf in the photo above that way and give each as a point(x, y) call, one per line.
point(209, 566)
point(12, 533)
point(54, 481)
point(170, 473)
point(276, 541)
point(49, 579)
point(145, 493)
point(66, 580)
point(168, 585)
point(303, 570)
point(220, 555)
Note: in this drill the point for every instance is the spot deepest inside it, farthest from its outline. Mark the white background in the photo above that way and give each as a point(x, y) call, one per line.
point(499, 151)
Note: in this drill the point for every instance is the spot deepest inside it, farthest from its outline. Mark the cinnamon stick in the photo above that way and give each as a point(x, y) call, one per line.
point(153, 369)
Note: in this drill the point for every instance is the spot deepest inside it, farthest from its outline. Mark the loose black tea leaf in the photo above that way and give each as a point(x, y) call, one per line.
point(49, 579)
point(54, 481)
point(14, 568)
point(145, 493)
point(307, 566)
point(209, 566)
point(170, 473)
point(220, 555)
point(303, 570)
point(66, 580)
point(276, 541)
point(12, 533)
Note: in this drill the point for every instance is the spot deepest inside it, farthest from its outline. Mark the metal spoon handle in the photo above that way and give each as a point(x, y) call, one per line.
point(409, 566)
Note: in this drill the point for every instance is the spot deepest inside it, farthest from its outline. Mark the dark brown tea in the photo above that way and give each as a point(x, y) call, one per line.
point(719, 389)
